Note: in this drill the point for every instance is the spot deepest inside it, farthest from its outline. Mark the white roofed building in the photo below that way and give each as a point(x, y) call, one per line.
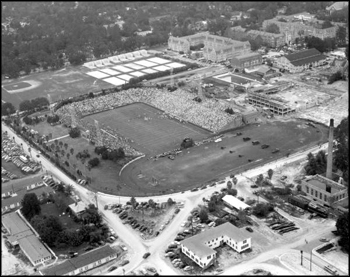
point(200, 248)
point(235, 203)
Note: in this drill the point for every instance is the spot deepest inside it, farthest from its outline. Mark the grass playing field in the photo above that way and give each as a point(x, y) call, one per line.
point(16, 86)
point(151, 132)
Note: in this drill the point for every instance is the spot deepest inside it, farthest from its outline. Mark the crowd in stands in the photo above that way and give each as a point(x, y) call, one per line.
point(209, 114)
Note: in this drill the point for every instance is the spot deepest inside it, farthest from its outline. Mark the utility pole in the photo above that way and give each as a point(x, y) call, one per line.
point(311, 260)
point(301, 252)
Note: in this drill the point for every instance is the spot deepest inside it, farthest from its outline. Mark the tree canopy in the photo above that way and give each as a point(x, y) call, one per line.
point(343, 229)
point(7, 108)
point(341, 148)
point(30, 205)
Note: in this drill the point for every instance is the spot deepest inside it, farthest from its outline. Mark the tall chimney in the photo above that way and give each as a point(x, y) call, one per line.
point(330, 150)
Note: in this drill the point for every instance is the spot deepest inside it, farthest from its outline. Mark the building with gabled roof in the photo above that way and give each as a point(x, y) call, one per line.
point(21, 234)
point(234, 202)
point(82, 263)
point(200, 248)
point(246, 60)
point(301, 60)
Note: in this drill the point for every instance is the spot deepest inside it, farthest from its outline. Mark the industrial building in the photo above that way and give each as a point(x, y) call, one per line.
point(235, 203)
point(297, 62)
point(82, 263)
point(216, 48)
point(276, 105)
point(23, 236)
point(200, 248)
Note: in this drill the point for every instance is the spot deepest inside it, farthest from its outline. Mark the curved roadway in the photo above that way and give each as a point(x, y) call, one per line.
point(156, 246)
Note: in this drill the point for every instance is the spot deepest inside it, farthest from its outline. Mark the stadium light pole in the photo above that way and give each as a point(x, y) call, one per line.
point(301, 253)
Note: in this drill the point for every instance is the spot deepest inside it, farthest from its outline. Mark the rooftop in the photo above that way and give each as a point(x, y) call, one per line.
point(20, 184)
point(34, 248)
point(77, 207)
point(196, 243)
point(14, 223)
point(337, 6)
point(246, 56)
point(79, 262)
point(305, 57)
point(235, 202)
point(321, 182)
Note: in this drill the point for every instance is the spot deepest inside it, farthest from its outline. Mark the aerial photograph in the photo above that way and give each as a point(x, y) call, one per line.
point(174, 138)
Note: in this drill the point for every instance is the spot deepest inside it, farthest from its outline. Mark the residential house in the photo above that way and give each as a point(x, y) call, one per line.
point(337, 6)
point(200, 248)
point(78, 208)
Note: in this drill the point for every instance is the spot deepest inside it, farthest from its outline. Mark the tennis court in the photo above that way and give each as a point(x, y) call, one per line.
point(150, 130)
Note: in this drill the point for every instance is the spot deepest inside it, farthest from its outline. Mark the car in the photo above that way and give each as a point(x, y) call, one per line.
point(112, 268)
point(324, 239)
point(123, 247)
point(38, 156)
point(219, 270)
point(125, 262)
point(254, 186)
point(146, 255)
point(249, 229)
point(264, 146)
point(156, 234)
point(177, 210)
point(240, 198)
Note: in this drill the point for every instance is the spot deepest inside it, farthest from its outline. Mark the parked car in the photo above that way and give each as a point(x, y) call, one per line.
point(125, 262)
point(177, 210)
point(123, 247)
point(112, 268)
point(249, 229)
point(146, 255)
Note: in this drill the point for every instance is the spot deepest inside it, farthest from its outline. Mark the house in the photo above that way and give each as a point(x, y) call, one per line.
point(23, 236)
point(250, 117)
point(304, 16)
point(78, 208)
point(337, 6)
point(82, 263)
point(324, 191)
point(233, 202)
point(200, 248)
point(246, 60)
point(301, 60)
point(266, 72)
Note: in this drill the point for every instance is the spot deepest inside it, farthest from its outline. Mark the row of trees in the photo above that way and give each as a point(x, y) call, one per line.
point(113, 155)
point(34, 104)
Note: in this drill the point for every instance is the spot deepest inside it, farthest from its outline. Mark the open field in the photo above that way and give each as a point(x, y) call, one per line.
point(201, 164)
point(148, 128)
point(62, 83)
point(44, 129)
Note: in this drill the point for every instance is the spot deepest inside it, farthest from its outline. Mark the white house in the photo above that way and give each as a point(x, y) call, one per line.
point(200, 248)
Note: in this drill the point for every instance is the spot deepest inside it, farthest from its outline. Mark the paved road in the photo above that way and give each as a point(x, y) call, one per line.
point(157, 245)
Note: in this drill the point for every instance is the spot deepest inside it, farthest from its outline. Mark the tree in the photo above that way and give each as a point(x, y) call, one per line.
point(187, 142)
point(25, 105)
point(94, 162)
point(229, 185)
point(343, 229)
point(203, 215)
point(72, 151)
point(326, 24)
point(92, 215)
point(335, 77)
point(133, 202)
point(170, 202)
point(270, 173)
point(262, 209)
point(74, 132)
point(259, 179)
point(48, 227)
point(232, 192)
point(272, 28)
point(30, 205)
point(7, 108)
point(68, 189)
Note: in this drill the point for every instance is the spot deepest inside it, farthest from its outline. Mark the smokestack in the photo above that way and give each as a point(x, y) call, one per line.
point(330, 150)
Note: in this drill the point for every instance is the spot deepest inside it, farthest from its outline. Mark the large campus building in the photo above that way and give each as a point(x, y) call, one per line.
point(292, 28)
point(297, 62)
point(200, 248)
point(82, 263)
point(20, 234)
point(248, 60)
point(215, 49)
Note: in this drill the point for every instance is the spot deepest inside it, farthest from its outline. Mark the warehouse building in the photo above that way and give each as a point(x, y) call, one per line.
point(297, 62)
point(200, 248)
point(235, 203)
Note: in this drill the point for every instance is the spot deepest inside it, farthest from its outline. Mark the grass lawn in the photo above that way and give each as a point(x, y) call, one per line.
point(147, 127)
point(44, 129)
